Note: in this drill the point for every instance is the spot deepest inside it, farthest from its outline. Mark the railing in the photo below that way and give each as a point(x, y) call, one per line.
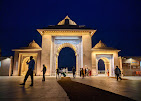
point(101, 71)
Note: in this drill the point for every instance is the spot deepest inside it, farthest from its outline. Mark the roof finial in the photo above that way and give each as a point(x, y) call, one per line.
point(67, 17)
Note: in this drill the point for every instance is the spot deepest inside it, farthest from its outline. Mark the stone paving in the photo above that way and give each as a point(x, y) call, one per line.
point(130, 88)
point(50, 90)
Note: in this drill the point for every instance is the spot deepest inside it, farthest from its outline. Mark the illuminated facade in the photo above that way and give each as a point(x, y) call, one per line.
point(131, 66)
point(66, 34)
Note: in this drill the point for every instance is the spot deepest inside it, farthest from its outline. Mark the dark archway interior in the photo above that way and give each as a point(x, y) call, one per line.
point(67, 58)
point(101, 66)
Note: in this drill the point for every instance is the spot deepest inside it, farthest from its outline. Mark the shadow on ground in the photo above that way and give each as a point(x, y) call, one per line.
point(81, 92)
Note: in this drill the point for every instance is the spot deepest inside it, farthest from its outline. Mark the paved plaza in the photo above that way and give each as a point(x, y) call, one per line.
point(130, 88)
point(50, 90)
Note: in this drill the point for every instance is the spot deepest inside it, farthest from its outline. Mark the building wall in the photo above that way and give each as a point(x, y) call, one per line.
point(130, 66)
point(5, 66)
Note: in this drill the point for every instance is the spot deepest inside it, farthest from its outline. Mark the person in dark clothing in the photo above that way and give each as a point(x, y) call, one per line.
point(44, 71)
point(57, 73)
point(31, 64)
point(73, 71)
point(118, 73)
point(80, 71)
point(85, 71)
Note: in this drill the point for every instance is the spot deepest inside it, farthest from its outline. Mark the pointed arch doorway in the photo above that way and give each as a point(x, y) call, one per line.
point(106, 65)
point(70, 46)
point(103, 66)
point(75, 43)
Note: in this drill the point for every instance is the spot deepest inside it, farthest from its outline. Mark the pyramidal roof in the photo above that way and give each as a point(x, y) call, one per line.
point(32, 46)
point(67, 21)
point(102, 46)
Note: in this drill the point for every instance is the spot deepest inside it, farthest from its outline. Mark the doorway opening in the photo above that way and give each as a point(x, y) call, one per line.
point(24, 67)
point(101, 67)
point(67, 59)
point(104, 67)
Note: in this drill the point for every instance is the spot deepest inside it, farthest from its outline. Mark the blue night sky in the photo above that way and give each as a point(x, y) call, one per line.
point(118, 22)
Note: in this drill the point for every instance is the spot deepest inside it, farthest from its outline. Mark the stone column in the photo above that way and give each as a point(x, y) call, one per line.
point(77, 70)
point(87, 45)
point(15, 67)
point(94, 69)
point(39, 66)
point(107, 64)
point(46, 52)
point(116, 63)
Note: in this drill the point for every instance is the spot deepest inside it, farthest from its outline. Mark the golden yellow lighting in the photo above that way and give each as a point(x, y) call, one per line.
point(66, 45)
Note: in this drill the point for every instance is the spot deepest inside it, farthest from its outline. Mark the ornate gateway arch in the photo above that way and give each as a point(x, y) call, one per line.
point(66, 34)
point(72, 42)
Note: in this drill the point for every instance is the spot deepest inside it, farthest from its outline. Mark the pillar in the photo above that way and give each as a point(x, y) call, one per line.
point(46, 52)
point(87, 44)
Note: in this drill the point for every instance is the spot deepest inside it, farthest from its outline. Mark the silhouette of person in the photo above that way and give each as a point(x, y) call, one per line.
point(85, 71)
point(31, 64)
point(57, 73)
point(82, 73)
point(73, 71)
point(44, 71)
point(118, 73)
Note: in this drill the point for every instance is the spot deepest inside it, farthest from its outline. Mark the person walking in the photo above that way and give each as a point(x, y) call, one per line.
point(31, 64)
point(73, 71)
point(118, 73)
point(44, 71)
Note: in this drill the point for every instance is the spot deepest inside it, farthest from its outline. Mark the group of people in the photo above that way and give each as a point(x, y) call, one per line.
point(83, 72)
point(60, 72)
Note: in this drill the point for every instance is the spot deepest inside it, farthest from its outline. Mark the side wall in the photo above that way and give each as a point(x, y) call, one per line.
point(130, 66)
point(5, 66)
